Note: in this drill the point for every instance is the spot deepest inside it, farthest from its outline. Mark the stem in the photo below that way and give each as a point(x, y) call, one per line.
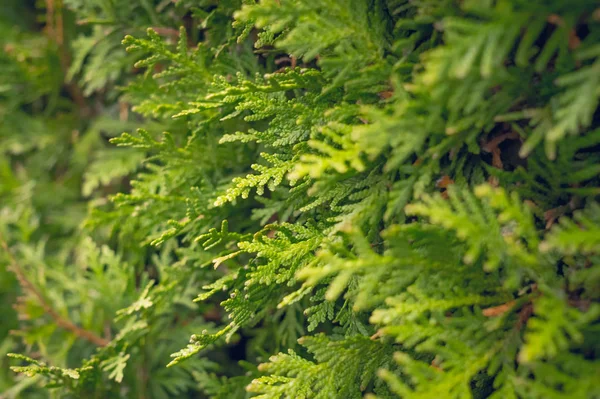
point(58, 319)
point(55, 31)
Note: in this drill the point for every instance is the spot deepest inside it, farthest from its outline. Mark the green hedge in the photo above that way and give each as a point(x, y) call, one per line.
point(332, 198)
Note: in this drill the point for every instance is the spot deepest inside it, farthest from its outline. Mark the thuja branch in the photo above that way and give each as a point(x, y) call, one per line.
point(61, 321)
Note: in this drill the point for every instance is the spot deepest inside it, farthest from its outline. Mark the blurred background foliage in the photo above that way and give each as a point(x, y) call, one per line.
point(62, 68)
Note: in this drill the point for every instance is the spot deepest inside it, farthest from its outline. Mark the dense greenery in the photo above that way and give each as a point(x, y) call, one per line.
point(332, 198)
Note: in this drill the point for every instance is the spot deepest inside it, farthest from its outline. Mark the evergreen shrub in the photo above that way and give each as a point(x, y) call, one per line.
point(313, 199)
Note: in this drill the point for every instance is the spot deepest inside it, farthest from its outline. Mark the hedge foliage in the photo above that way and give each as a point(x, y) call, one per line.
point(313, 199)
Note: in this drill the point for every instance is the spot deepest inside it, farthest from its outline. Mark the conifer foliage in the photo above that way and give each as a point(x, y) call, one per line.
point(313, 199)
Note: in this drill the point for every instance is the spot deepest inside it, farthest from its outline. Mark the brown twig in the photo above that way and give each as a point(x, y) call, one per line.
point(492, 147)
point(167, 32)
point(574, 40)
point(435, 363)
point(58, 319)
point(498, 310)
point(551, 215)
point(384, 95)
point(524, 312)
point(55, 31)
point(291, 59)
point(59, 27)
point(444, 182)
point(524, 315)
point(50, 18)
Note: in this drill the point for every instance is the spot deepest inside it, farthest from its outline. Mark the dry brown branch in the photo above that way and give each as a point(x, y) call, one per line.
point(29, 287)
